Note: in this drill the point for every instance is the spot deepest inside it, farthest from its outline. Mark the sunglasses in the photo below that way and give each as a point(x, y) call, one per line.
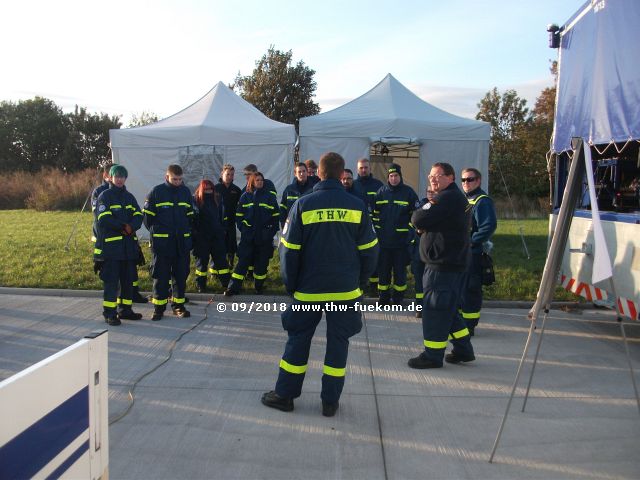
point(468, 179)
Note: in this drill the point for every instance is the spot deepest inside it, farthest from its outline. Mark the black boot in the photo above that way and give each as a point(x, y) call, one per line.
point(158, 312)
point(273, 400)
point(129, 314)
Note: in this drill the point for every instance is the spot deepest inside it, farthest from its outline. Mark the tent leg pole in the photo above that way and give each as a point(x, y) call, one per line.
point(624, 339)
point(513, 389)
point(633, 375)
point(535, 359)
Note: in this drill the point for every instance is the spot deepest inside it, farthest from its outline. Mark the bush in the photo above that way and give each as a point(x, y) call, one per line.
point(49, 189)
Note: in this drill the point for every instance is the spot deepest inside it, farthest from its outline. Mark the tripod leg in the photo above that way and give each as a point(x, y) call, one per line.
point(535, 359)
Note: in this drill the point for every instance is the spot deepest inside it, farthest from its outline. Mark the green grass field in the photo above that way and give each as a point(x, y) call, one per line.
point(33, 254)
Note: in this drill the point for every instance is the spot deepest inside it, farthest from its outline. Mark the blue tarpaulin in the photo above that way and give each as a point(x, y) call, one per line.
point(599, 78)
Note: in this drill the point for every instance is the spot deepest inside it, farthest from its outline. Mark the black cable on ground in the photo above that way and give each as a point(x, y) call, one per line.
point(132, 399)
point(375, 397)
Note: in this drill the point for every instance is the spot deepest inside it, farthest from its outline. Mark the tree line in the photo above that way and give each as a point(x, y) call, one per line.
point(36, 133)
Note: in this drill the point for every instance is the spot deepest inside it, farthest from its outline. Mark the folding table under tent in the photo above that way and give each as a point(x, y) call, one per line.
point(390, 113)
point(219, 128)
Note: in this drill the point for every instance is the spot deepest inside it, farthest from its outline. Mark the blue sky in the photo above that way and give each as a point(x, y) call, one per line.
point(123, 57)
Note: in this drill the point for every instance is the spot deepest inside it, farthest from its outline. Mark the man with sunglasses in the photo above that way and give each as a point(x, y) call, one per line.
point(484, 224)
point(443, 222)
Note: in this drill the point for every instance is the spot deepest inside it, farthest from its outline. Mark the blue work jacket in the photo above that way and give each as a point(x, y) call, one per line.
point(392, 215)
point(168, 215)
point(328, 246)
point(116, 207)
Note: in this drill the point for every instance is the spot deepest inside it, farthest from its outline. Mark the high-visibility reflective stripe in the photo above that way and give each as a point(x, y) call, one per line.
point(292, 197)
point(137, 213)
point(371, 193)
point(237, 276)
point(374, 279)
point(103, 214)
point(259, 277)
point(113, 239)
point(419, 295)
point(274, 192)
point(331, 215)
point(270, 207)
point(201, 273)
point(400, 288)
point(97, 251)
point(223, 271)
point(368, 245)
point(381, 202)
point(383, 287)
point(402, 229)
point(334, 372)
point(477, 199)
point(161, 235)
point(109, 304)
point(460, 333)
point(435, 345)
point(470, 315)
point(184, 204)
point(189, 213)
point(246, 223)
point(251, 268)
point(275, 214)
point(124, 301)
point(164, 204)
point(187, 234)
point(239, 214)
point(287, 367)
point(283, 206)
point(378, 227)
point(115, 206)
point(329, 296)
point(94, 239)
point(135, 284)
point(400, 202)
point(247, 205)
point(130, 207)
point(156, 301)
point(178, 300)
point(213, 270)
point(291, 246)
point(375, 219)
point(148, 212)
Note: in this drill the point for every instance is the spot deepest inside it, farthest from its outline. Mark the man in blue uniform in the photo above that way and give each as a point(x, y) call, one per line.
point(483, 226)
point(106, 182)
point(328, 248)
point(312, 168)
point(350, 187)
point(118, 216)
point(444, 223)
point(168, 214)
point(392, 220)
point(369, 186)
point(296, 189)
point(230, 194)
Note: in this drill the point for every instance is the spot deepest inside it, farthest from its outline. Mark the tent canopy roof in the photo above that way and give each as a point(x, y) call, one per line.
point(391, 110)
point(219, 118)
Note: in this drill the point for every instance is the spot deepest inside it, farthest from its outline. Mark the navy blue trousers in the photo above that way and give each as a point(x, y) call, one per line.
point(117, 276)
point(215, 249)
point(392, 260)
point(441, 320)
point(300, 327)
point(472, 295)
point(257, 256)
point(163, 269)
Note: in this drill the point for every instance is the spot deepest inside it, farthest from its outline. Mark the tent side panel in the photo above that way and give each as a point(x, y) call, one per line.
point(274, 161)
point(351, 149)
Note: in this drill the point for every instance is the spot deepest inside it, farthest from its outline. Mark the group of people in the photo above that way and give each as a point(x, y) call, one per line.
point(338, 235)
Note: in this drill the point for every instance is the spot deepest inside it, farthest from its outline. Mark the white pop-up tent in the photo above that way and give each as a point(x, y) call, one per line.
point(390, 113)
point(219, 128)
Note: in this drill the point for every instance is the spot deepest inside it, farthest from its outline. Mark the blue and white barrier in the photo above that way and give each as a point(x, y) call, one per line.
point(54, 415)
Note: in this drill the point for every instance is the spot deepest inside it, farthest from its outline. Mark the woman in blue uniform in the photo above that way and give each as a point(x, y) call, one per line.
point(257, 219)
point(209, 236)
